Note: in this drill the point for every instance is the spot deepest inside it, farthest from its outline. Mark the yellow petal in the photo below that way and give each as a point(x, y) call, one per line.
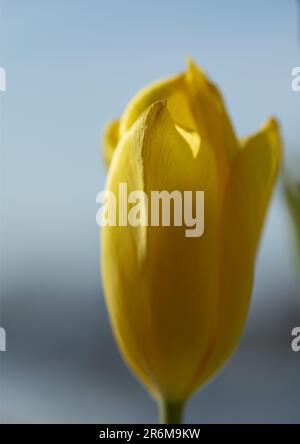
point(174, 90)
point(158, 282)
point(213, 122)
point(195, 103)
point(247, 197)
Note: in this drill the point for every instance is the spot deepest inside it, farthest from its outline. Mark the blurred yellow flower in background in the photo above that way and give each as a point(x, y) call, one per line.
point(292, 194)
point(177, 304)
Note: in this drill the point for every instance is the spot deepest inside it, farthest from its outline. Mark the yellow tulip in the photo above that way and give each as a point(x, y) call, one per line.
point(178, 304)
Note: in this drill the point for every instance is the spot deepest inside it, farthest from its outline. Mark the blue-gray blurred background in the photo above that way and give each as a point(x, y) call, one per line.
point(72, 66)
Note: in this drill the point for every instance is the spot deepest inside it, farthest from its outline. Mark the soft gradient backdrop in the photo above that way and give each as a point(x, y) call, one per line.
point(72, 66)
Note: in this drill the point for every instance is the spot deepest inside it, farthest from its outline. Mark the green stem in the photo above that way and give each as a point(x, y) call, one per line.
point(171, 412)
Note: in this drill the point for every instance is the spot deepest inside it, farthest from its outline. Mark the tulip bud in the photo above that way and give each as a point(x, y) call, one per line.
point(178, 304)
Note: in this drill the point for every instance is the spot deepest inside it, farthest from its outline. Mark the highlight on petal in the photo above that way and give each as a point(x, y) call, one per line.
point(163, 313)
point(192, 137)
